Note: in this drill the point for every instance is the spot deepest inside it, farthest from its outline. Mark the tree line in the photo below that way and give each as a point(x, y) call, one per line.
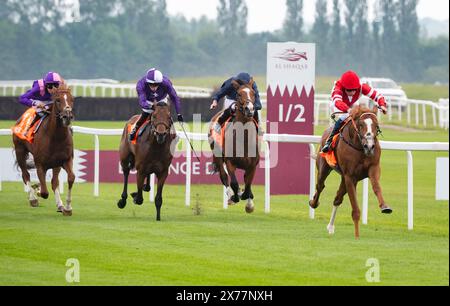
point(120, 39)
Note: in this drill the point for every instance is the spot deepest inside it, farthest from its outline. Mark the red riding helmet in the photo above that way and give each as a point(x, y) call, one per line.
point(350, 80)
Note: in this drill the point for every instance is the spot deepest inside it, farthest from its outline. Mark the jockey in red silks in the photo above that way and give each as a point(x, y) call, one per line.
point(39, 96)
point(152, 89)
point(345, 93)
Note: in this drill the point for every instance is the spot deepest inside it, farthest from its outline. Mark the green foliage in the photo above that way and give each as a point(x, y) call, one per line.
point(121, 39)
point(293, 23)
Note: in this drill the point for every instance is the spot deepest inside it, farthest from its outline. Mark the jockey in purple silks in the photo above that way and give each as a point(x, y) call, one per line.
point(152, 89)
point(39, 96)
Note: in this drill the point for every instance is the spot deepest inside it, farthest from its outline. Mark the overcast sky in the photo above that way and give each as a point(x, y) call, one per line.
point(268, 15)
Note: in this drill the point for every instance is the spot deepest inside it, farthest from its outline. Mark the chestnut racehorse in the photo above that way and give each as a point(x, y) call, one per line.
point(358, 156)
point(152, 153)
point(52, 148)
point(240, 148)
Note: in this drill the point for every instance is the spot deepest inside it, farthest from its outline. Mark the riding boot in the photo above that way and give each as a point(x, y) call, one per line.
point(222, 119)
point(138, 124)
point(36, 118)
point(335, 130)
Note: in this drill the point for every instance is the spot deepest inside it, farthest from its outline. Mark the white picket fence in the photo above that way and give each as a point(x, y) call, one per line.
point(100, 88)
point(408, 147)
point(112, 88)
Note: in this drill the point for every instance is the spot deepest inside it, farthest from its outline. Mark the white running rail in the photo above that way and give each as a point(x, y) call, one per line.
point(267, 138)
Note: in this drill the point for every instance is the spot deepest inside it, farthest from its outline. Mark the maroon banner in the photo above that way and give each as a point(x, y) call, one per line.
point(293, 115)
point(111, 171)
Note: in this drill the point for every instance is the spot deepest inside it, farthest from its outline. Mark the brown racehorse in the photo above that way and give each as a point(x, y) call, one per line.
point(152, 153)
point(241, 149)
point(358, 157)
point(52, 148)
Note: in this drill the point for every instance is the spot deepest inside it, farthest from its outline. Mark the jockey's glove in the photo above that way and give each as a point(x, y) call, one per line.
point(180, 118)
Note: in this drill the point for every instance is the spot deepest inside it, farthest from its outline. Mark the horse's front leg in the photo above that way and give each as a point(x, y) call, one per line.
point(350, 185)
point(55, 188)
point(374, 176)
point(137, 196)
point(234, 183)
point(248, 194)
point(41, 175)
point(158, 198)
point(68, 167)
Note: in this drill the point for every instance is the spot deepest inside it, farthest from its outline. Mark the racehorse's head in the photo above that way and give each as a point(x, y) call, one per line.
point(245, 97)
point(366, 125)
point(161, 122)
point(63, 103)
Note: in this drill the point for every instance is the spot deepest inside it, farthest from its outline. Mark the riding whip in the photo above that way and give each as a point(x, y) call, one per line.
point(185, 134)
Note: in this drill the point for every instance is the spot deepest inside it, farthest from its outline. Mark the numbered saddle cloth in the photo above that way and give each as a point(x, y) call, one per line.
point(22, 129)
point(139, 132)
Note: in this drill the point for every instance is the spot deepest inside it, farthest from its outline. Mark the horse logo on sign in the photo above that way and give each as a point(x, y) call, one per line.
point(292, 56)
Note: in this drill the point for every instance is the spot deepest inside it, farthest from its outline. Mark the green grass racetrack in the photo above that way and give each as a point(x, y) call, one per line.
point(230, 247)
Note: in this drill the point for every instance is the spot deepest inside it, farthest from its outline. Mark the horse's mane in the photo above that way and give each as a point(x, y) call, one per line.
point(62, 89)
point(358, 110)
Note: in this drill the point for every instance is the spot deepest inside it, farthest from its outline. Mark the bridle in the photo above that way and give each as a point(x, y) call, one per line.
point(60, 113)
point(360, 137)
point(241, 102)
point(154, 125)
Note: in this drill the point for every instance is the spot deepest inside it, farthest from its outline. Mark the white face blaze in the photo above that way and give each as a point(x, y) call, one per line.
point(66, 104)
point(250, 104)
point(370, 133)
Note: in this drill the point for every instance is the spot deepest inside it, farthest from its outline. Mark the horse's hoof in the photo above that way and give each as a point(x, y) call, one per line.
point(59, 209)
point(138, 201)
point(312, 205)
point(235, 199)
point(43, 195)
point(330, 229)
point(121, 203)
point(67, 212)
point(249, 209)
point(133, 195)
point(146, 188)
point(386, 210)
point(34, 203)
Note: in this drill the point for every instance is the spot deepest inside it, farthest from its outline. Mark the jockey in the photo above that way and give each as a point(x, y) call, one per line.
point(39, 95)
point(152, 89)
point(229, 92)
point(345, 93)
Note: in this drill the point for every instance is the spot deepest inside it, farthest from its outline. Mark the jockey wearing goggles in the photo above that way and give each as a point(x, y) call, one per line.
point(346, 92)
point(229, 92)
point(39, 95)
point(153, 88)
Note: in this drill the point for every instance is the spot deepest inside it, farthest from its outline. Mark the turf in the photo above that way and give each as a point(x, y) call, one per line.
point(228, 247)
